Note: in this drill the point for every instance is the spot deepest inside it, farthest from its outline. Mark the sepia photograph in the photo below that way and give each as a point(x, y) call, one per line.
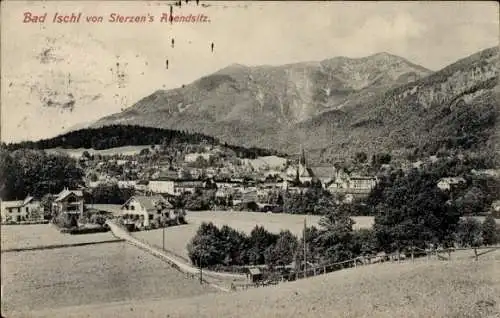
point(261, 159)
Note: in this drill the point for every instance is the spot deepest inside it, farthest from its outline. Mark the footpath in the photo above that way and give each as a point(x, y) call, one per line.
point(216, 279)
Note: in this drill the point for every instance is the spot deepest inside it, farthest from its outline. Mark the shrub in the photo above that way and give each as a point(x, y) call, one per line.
point(76, 231)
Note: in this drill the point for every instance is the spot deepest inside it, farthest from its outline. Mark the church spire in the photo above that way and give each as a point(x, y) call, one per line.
point(302, 160)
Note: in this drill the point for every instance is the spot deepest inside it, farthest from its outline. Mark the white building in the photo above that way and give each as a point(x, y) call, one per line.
point(161, 186)
point(143, 209)
point(21, 210)
point(445, 184)
point(191, 157)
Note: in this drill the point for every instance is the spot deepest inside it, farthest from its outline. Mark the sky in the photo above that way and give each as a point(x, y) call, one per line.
point(83, 56)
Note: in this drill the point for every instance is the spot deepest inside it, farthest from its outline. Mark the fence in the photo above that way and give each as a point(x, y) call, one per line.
point(415, 253)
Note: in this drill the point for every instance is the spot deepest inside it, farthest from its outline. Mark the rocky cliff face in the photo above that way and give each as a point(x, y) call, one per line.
point(454, 108)
point(255, 105)
point(335, 107)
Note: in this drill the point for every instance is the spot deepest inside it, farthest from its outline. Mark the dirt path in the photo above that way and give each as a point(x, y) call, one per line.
point(217, 279)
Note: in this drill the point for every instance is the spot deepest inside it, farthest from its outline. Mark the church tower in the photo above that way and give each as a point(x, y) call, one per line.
point(302, 163)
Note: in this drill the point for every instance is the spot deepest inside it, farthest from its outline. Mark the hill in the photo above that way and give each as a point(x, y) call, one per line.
point(454, 109)
point(260, 106)
point(124, 135)
point(420, 289)
point(336, 107)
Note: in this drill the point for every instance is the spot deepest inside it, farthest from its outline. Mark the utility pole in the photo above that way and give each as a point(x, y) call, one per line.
point(163, 240)
point(305, 249)
point(201, 272)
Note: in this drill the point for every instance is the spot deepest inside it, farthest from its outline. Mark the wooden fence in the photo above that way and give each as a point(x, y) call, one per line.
point(416, 253)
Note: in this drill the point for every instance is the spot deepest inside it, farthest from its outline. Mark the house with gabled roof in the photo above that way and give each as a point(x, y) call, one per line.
point(142, 210)
point(21, 210)
point(70, 202)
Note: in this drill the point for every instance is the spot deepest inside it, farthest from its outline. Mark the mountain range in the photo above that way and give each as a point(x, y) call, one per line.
point(335, 107)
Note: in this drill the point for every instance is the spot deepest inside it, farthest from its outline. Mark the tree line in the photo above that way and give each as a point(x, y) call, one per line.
point(410, 213)
point(33, 172)
point(127, 135)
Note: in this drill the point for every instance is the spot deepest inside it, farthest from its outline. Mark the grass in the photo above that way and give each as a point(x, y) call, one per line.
point(36, 235)
point(88, 275)
point(461, 288)
point(77, 153)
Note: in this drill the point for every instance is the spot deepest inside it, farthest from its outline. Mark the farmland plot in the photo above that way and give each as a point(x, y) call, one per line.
point(93, 274)
point(37, 235)
point(423, 289)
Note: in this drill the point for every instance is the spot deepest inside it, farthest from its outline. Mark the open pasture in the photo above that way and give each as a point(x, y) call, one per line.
point(420, 289)
point(39, 235)
point(94, 274)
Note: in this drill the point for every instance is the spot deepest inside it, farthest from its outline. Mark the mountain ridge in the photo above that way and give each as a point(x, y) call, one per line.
point(339, 105)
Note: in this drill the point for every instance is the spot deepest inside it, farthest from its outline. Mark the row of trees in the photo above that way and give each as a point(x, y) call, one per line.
point(410, 211)
point(334, 241)
point(34, 172)
point(126, 135)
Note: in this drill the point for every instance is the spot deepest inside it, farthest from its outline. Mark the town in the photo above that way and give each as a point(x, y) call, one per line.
point(344, 166)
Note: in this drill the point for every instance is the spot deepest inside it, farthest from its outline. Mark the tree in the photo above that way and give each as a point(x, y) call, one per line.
point(490, 231)
point(282, 252)
point(46, 206)
point(235, 246)
point(206, 248)
point(364, 242)
point(335, 235)
point(414, 212)
point(34, 172)
point(473, 202)
point(260, 239)
point(380, 159)
point(469, 233)
point(360, 157)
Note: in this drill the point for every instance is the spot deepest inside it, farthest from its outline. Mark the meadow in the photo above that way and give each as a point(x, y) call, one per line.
point(39, 235)
point(94, 274)
point(77, 153)
point(460, 288)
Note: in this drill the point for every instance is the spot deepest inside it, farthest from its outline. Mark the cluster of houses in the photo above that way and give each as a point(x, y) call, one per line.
point(150, 204)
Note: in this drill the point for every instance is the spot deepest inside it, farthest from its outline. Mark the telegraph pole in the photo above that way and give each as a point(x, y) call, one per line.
point(305, 249)
point(201, 272)
point(163, 239)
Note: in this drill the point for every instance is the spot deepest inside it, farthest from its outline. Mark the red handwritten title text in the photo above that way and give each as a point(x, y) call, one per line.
point(30, 17)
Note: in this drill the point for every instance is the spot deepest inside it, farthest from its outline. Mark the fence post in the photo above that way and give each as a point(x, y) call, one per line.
point(412, 254)
point(475, 253)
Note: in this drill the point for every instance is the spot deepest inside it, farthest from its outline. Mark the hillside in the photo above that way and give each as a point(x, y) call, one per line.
point(115, 136)
point(420, 289)
point(453, 109)
point(258, 105)
point(337, 107)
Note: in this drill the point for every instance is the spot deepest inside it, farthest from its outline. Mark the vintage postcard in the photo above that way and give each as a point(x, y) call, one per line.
point(250, 159)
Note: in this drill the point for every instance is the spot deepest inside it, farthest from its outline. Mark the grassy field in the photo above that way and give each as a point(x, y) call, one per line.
point(77, 153)
point(461, 288)
point(24, 236)
point(177, 237)
point(103, 273)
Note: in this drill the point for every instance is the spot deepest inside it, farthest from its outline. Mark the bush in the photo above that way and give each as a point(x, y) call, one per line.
point(85, 230)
